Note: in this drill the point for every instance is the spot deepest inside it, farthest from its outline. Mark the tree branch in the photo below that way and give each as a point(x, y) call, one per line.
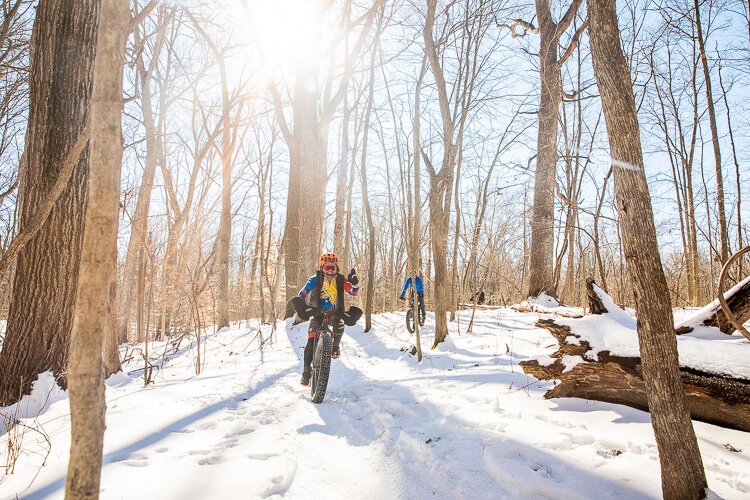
point(573, 44)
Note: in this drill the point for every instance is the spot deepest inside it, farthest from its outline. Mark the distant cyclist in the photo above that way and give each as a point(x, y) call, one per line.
point(326, 288)
point(420, 291)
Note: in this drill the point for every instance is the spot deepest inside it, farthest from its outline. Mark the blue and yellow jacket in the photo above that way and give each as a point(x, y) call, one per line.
point(328, 295)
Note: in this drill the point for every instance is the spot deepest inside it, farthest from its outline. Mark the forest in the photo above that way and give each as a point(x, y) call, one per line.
point(561, 175)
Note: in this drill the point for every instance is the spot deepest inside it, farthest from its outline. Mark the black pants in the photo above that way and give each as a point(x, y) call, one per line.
point(338, 332)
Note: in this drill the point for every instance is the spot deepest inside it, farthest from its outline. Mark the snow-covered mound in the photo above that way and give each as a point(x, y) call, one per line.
point(465, 423)
point(44, 392)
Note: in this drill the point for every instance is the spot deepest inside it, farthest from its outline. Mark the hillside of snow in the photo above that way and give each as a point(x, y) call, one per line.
point(466, 423)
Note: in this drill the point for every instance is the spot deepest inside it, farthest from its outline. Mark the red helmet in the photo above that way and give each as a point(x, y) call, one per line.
point(329, 258)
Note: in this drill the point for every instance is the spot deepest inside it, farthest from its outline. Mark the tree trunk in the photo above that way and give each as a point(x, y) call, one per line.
point(97, 270)
point(681, 464)
point(225, 226)
point(415, 255)
point(541, 277)
point(41, 312)
point(139, 222)
point(441, 183)
point(723, 234)
point(307, 186)
point(370, 290)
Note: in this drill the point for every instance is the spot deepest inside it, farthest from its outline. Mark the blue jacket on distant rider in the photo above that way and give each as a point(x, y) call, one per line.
point(407, 285)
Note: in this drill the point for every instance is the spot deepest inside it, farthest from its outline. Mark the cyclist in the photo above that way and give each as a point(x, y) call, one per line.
point(326, 289)
point(420, 291)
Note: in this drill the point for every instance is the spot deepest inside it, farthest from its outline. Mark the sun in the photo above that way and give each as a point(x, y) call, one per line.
point(286, 32)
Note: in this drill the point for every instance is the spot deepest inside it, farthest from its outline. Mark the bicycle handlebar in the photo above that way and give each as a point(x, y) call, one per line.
point(305, 312)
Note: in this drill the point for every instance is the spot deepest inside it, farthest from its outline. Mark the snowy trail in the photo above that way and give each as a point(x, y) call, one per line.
point(466, 423)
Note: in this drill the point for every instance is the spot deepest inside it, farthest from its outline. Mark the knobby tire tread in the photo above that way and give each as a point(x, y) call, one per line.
point(321, 367)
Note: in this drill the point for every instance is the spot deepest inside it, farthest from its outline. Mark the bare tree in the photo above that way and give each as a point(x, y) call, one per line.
point(681, 465)
point(541, 277)
point(98, 260)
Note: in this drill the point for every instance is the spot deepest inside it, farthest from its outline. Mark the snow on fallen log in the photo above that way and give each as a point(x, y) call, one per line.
point(712, 315)
point(598, 358)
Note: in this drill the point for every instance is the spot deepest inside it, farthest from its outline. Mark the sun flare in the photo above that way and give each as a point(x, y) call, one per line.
point(285, 31)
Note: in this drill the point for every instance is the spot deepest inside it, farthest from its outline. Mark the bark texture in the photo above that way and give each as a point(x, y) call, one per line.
point(41, 313)
point(97, 271)
point(681, 464)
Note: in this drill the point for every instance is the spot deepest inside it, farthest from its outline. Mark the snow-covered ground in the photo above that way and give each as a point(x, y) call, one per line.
point(467, 423)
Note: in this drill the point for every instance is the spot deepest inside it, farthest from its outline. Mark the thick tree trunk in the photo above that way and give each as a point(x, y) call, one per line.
point(97, 270)
point(225, 226)
point(441, 183)
point(541, 277)
point(681, 464)
point(41, 312)
point(307, 185)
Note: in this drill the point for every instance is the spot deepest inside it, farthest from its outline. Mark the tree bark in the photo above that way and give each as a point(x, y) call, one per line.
point(97, 271)
point(681, 464)
point(41, 312)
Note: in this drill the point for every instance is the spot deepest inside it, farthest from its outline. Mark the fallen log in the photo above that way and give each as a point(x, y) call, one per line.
point(712, 315)
point(712, 398)
point(717, 384)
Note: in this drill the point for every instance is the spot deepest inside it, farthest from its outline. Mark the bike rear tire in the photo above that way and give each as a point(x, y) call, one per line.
point(410, 320)
point(321, 367)
point(422, 316)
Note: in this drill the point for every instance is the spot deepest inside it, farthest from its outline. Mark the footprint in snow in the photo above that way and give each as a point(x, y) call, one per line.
point(210, 461)
point(280, 484)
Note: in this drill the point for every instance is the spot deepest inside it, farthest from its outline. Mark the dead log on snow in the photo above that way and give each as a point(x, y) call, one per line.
point(738, 300)
point(711, 398)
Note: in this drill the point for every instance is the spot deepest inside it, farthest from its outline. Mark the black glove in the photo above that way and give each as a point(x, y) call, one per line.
point(401, 297)
point(352, 278)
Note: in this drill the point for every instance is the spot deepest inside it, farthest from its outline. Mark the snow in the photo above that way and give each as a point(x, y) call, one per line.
point(544, 300)
point(44, 392)
point(465, 423)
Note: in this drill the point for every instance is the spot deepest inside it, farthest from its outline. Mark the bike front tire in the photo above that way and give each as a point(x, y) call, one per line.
point(410, 320)
point(321, 368)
